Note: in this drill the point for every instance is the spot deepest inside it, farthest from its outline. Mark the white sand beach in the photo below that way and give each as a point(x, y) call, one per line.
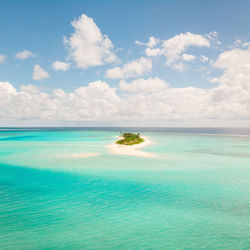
point(131, 150)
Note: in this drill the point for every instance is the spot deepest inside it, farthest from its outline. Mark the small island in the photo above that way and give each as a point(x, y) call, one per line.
point(130, 139)
point(130, 144)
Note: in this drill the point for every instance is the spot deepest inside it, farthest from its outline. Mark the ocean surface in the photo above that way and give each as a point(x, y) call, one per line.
point(194, 195)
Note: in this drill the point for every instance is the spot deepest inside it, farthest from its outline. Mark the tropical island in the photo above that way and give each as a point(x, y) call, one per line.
point(130, 144)
point(129, 139)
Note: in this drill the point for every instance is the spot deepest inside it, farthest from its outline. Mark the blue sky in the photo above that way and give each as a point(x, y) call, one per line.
point(40, 27)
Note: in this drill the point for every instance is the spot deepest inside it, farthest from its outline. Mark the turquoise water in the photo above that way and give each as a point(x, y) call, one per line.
point(195, 194)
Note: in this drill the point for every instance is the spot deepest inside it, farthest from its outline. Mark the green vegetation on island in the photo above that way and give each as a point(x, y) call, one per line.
point(130, 139)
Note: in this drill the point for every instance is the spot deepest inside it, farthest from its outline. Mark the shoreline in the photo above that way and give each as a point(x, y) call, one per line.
point(131, 150)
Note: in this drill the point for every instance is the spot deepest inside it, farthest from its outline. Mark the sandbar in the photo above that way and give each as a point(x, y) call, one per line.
point(84, 155)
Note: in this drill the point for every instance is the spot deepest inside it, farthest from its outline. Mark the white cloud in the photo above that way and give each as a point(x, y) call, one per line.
point(97, 101)
point(246, 45)
point(233, 90)
point(214, 80)
point(213, 37)
point(87, 46)
point(39, 73)
point(153, 51)
point(154, 84)
point(58, 65)
point(151, 43)
point(203, 58)
point(7, 88)
point(236, 66)
point(233, 61)
point(32, 89)
point(131, 69)
point(188, 57)
point(2, 58)
point(140, 100)
point(151, 46)
point(24, 54)
point(174, 48)
point(240, 44)
point(237, 42)
point(179, 66)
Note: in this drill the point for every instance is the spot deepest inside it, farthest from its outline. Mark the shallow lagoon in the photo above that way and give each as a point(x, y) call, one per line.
point(195, 194)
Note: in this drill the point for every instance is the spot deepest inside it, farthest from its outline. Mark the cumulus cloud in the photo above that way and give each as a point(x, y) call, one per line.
point(152, 42)
point(6, 89)
point(188, 57)
point(233, 90)
point(58, 65)
point(2, 58)
point(213, 37)
point(236, 66)
point(203, 58)
point(131, 69)
point(152, 84)
point(39, 73)
point(174, 48)
point(97, 101)
point(24, 54)
point(240, 44)
point(87, 46)
point(153, 51)
point(150, 99)
point(214, 80)
point(179, 66)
